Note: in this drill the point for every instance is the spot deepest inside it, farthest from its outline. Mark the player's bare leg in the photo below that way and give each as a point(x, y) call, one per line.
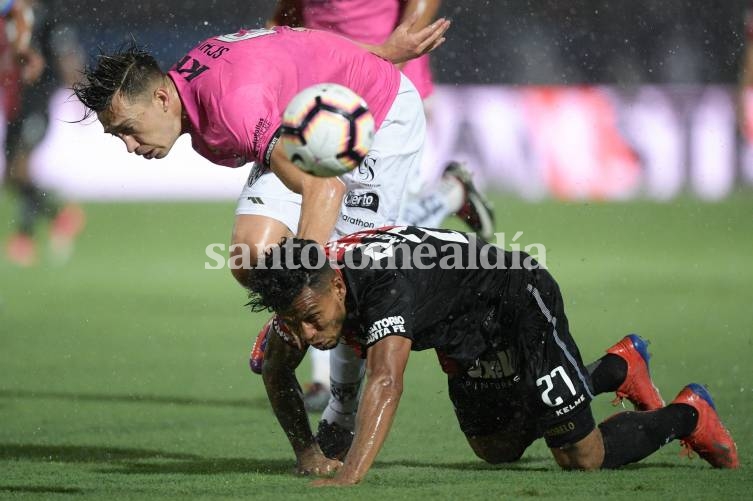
point(586, 454)
point(455, 194)
point(252, 233)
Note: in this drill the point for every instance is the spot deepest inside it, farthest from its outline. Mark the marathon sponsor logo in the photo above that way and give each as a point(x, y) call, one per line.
point(366, 200)
point(564, 410)
point(385, 327)
point(357, 221)
point(560, 430)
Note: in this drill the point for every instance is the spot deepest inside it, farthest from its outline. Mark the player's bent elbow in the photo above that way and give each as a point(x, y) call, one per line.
point(389, 384)
point(329, 187)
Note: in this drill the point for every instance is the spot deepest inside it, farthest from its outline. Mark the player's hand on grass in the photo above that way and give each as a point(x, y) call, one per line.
point(313, 462)
point(405, 44)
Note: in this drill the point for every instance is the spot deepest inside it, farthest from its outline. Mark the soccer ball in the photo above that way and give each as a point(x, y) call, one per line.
point(327, 129)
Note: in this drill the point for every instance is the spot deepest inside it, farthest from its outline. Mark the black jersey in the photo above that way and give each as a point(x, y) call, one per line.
point(442, 289)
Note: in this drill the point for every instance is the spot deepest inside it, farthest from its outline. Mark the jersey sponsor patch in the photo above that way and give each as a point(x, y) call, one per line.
point(270, 147)
point(363, 200)
point(366, 169)
point(253, 176)
point(385, 327)
point(357, 221)
point(261, 127)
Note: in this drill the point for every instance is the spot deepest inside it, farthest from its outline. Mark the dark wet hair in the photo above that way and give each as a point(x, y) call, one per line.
point(130, 69)
point(285, 271)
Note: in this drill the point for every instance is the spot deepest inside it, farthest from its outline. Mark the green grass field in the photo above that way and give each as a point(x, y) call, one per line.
point(124, 373)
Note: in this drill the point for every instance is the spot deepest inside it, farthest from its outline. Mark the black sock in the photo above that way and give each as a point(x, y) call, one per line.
point(631, 436)
point(33, 203)
point(607, 373)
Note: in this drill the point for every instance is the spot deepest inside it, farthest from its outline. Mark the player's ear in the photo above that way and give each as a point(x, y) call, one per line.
point(162, 96)
point(338, 285)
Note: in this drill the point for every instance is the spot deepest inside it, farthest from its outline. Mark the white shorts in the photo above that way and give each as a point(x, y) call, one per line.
point(376, 188)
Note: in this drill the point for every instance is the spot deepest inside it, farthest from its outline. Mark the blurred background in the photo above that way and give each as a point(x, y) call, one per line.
point(616, 134)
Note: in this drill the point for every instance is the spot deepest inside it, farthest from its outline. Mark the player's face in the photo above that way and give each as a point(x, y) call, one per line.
point(317, 316)
point(147, 125)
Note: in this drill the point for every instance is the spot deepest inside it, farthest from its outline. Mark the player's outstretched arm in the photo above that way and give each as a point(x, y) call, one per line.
point(284, 392)
point(404, 43)
point(426, 10)
point(322, 197)
point(385, 367)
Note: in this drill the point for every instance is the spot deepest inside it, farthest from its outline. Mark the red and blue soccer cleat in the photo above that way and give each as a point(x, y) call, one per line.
point(710, 439)
point(276, 326)
point(256, 358)
point(637, 387)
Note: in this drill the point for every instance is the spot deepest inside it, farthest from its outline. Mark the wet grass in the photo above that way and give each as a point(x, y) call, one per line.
point(123, 374)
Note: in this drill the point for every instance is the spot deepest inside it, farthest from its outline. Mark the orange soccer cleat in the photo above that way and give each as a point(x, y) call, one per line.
point(637, 387)
point(21, 250)
point(710, 439)
point(66, 226)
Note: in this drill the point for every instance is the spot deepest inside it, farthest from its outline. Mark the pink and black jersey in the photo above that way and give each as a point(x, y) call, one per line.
point(235, 87)
point(369, 22)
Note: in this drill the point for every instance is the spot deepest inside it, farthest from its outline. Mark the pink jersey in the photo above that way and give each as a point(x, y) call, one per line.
point(369, 22)
point(235, 87)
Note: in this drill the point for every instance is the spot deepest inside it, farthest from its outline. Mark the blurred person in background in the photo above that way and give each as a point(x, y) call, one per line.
point(744, 101)
point(28, 38)
point(372, 23)
point(745, 89)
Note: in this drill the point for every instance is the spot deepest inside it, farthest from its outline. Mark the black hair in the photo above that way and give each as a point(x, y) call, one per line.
point(129, 69)
point(284, 272)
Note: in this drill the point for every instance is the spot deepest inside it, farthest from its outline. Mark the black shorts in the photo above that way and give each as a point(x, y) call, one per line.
point(546, 388)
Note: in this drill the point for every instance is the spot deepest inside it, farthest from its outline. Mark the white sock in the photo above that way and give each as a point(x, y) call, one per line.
point(346, 374)
point(319, 366)
point(432, 208)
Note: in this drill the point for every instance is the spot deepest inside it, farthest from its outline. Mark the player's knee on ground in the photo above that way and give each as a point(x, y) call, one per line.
point(496, 451)
point(586, 454)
